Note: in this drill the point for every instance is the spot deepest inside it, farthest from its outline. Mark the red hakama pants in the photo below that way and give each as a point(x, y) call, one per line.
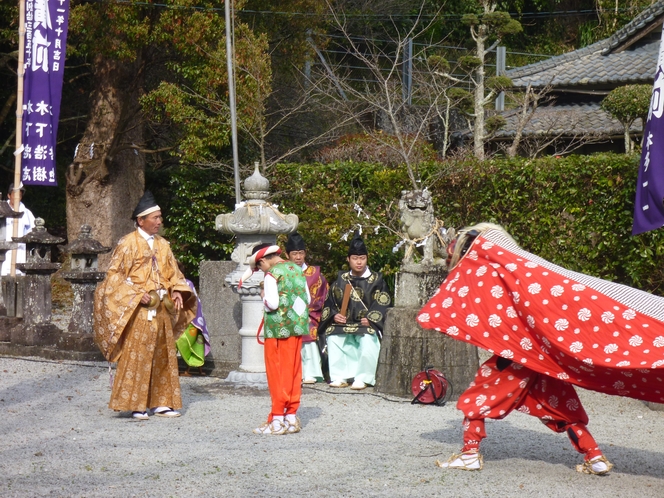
point(283, 366)
point(501, 386)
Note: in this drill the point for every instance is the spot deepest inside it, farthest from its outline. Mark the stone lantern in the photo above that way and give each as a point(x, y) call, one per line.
point(253, 222)
point(84, 275)
point(37, 329)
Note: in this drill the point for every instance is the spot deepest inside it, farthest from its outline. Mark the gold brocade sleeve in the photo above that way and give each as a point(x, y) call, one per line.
point(176, 282)
point(116, 300)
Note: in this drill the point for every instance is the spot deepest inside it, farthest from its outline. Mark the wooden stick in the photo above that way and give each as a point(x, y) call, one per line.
point(18, 154)
point(344, 303)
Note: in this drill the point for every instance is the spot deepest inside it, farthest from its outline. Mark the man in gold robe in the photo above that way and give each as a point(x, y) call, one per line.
point(141, 307)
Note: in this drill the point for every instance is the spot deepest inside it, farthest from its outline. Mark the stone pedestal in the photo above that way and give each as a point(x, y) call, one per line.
point(223, 315)
point(36, 334)
point(7, 323)
point(12, 313)
point(13, 292)
point(415, 284)
point(407, 348)
point(79, 334)
point(252, 351)
point(251, 371)
point(37, 329)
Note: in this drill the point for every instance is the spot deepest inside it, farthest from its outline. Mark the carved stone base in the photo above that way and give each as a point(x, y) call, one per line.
point(7, 323)
point(45, 334)
point(76, 342)
point(50, 353)
point(407, 349)
point(247, 379)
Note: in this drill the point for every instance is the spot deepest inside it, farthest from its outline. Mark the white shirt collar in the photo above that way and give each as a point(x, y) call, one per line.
point(21, 206)
point(366, 273)
point(148, 238)
point(144, 234)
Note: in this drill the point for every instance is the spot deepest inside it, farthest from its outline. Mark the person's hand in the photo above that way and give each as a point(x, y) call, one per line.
point(177, 300)
point(365, 322)
point(340, 319)
point(146, 298)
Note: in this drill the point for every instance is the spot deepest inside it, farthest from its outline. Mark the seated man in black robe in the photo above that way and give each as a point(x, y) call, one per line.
point(353, 319)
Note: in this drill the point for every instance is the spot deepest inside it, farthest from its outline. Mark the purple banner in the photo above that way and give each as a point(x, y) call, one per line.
point(649, 203)
point(46, 23)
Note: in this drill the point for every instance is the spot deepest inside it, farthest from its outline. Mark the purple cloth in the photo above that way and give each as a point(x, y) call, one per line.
point(199, 320)
point(46, 23)
point(649, 203)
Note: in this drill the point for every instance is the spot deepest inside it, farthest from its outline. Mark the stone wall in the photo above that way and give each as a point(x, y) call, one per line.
point(223, 313)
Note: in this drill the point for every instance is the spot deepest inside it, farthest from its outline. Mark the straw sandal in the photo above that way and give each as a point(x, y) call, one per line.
point(598, 470)
point(293, 428)
point(467, 460)
point(275, 428)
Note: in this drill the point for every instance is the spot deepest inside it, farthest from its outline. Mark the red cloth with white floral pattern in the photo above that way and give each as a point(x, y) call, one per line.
point(499, 389)
point(595, 334)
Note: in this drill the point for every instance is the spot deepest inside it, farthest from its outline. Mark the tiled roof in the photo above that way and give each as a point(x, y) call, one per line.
point(645, 18)
point(623, 68)
point(567, 120)
point(597, 64)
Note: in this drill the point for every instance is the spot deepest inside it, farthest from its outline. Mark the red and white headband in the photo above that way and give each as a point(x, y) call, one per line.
point(254, 259)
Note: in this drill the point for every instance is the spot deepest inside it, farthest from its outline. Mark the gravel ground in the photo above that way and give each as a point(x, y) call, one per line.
point(60, 439)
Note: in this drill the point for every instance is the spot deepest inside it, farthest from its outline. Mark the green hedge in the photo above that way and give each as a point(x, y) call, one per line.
point(575, 211)
point(195, 197)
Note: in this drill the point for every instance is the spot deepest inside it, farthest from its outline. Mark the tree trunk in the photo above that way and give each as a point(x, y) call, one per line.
point(522, 121)
point(478, 131)
point(107, 177)
point(628, 140)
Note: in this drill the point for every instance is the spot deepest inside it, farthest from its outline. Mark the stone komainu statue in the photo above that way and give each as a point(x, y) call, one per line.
point(421, 229)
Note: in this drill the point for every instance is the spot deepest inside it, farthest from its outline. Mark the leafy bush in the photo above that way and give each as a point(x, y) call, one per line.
point(629, 102)
point(575, 211)
point(197, 197)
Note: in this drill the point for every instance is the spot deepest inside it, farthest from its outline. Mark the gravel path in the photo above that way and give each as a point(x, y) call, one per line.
point(60, 439)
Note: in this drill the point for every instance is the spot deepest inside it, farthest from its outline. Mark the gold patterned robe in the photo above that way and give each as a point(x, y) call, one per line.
point(147, 373)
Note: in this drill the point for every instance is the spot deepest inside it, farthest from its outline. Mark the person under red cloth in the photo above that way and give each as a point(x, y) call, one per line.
point(286, 319)
point(564, 328)
point(502, 386)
